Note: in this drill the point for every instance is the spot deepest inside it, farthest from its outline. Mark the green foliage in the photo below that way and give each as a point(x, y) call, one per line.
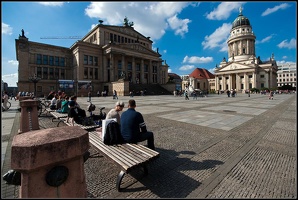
point(256, 90)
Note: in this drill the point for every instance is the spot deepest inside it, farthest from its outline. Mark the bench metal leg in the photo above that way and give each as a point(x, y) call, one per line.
point(59, 122)
point(119, 179)
point(145, 170)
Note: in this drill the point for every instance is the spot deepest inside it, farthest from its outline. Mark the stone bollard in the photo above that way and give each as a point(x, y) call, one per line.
point(51, 162)
point(29, 115)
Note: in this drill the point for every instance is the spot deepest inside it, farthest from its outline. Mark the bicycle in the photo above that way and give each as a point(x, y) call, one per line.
point(8, 106)
point(43, 105)
point(102, 115)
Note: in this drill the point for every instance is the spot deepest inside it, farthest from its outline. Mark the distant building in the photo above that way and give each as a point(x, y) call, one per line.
point(175, 78)
point(243, 70)
point(97, 62)
point(200, 79)
point(286, 74)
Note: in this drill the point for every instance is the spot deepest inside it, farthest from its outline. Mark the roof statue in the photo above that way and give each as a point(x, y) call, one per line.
point(127, 23)
point(240, 10)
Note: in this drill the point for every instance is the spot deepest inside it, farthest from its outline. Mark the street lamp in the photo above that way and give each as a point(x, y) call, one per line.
point(34, 79)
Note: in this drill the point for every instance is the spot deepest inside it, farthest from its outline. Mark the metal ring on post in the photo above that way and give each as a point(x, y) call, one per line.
point(57, 175)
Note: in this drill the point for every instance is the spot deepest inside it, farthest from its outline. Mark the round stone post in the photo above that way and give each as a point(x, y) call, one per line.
point(29, 116)
point(51, 162)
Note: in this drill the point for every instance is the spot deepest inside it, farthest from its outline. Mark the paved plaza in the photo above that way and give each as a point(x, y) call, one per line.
point(210, 147)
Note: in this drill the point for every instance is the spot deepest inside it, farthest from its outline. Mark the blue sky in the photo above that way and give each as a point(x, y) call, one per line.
point(187, 34)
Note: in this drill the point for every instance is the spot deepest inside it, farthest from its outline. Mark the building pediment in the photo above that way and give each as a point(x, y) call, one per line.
point(234, 66)
point(126, 30)
point(132, 47)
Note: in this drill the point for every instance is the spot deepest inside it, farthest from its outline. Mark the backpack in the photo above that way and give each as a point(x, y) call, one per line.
point(113, 134)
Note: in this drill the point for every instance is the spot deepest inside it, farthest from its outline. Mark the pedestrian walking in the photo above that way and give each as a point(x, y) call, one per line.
point(115, 94)
point(98, 93)
point(89, 96)
point(186, 95)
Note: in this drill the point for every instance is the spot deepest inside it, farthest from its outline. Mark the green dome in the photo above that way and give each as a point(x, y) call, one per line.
point(240, 21)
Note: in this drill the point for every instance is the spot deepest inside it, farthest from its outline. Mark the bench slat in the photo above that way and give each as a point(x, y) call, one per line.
point(127, 155)
point(122, 151)
point(106, 152)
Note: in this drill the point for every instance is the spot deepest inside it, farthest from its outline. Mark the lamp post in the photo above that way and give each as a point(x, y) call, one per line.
point(34, 79)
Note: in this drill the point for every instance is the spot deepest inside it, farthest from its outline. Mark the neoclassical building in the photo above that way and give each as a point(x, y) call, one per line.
point(286, 75)
point(243, 70)
point(106, 58)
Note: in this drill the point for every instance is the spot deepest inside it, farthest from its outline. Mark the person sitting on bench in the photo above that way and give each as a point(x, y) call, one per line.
point(133, 127)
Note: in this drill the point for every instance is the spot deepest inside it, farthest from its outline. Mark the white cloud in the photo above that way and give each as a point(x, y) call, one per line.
point(10, 79)
point(6, 29)
point(164, 51)
point(51, 3)
point(169, 70)
point(266, 39)
point(285, 62)
point(223, 10)
point(211, 70)
point(275, 8)
point(284, 57)
point(286, 44)
point(196, 59)
point(13, 62)
point(180, 26)
point(152, 19)
point(218, 38)
point(186, 67)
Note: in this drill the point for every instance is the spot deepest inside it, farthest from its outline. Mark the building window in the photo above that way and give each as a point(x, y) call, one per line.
point(96, 74)
point(250, 85)
point(154, 69)
point(241, 77)
point(138, 67)
point(249, 76)
point(85, 60)
point(219, 78)
point(51, 60)
point(119, 65)
point(51, 73)
point(115, 38)
point(90, 60)
point(38, 59)
point(262, 76)
point(227, 78)
point(45, 73)
point(57, 73)
point(85, 72)
point(111, 37)
point(262, 85)
point(129, 66)
point(56, 61)
point(145, 68)
point(62, 62)
point(39, 72)
point(90, 73)
point(62, 73)
point(45, 60)
point(95, 61)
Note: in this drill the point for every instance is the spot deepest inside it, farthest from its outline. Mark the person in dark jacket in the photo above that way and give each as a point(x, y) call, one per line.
point(133, 127)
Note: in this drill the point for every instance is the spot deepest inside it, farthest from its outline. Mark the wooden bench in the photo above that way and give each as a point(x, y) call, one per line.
point(64, 120)
point(127, 156)
point(48, 111)
point(59, 116)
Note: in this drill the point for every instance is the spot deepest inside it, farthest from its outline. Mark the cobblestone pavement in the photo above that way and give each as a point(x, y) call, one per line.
point(212, 147)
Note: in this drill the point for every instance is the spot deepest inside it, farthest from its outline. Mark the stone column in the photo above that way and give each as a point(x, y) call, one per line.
point(133, 73)
point(245, 81)
point(142, 72)
point(112, 70)
point(29, 116)
point(51, 162)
